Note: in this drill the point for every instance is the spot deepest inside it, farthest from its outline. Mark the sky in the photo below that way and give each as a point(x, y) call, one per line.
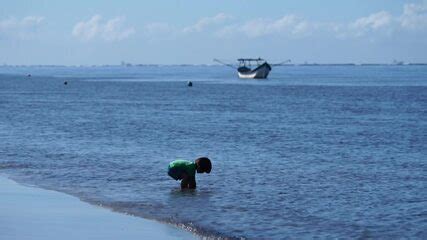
point(196, 31)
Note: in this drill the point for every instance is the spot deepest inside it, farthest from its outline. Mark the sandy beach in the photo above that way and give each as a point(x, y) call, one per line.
point(34, 213)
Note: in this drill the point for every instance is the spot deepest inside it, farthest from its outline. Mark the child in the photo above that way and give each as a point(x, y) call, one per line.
point(186, 171)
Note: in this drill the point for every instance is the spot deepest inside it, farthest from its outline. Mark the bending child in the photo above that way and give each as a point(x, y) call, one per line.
point(186, 171)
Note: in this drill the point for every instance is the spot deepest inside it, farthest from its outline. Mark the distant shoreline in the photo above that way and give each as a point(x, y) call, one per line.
point(213, 65)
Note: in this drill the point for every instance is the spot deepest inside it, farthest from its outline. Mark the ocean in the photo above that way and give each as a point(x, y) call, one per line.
point(310, 152)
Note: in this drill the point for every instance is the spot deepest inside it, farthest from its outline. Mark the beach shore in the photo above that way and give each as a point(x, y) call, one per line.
point(34, 213)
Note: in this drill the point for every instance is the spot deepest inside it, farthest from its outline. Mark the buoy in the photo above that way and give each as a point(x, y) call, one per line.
point(29, 75)
point(65, 83)
point(189, 83)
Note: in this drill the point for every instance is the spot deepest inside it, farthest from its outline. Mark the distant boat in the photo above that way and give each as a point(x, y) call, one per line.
point(252, 68)
point(261, 70)
point(395, 62)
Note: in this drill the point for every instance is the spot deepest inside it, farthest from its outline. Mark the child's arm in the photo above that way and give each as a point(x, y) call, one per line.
point(192, 182)
point(188, 182)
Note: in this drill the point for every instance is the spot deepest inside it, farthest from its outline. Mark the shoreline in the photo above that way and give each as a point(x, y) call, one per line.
point(28, 212)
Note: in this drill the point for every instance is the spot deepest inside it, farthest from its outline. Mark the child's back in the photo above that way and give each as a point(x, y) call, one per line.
point(180, 167)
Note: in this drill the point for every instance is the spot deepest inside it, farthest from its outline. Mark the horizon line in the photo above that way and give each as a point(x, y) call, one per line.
point(203, 64)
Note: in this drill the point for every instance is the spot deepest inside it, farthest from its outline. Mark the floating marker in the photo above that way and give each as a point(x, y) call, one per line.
point(189, 83)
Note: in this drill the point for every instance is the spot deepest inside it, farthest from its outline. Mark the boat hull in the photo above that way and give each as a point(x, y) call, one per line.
point(260, 72)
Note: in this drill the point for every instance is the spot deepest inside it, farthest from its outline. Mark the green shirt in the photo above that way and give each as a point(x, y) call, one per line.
point(184, 165)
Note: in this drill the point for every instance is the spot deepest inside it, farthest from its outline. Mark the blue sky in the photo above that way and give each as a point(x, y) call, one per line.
point(196, 31)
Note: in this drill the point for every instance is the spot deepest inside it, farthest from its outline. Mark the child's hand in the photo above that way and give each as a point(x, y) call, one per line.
point(188, 181)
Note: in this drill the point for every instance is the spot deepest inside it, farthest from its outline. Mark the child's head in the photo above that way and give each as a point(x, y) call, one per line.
point(203, 164)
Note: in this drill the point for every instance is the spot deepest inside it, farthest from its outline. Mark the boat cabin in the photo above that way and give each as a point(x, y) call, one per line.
point(245, 64)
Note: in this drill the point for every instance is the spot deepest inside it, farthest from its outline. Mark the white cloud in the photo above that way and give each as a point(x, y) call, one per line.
point(163, 30)
point(260, 27)
point(376, 25)
point(301, 28)
point(87, 30)
point(374, 22)
point(206, 22)
point(31, 21)
point(379, 24)
point(21, 28)
point(414, 17)
point(290, 25)
point(111, 30)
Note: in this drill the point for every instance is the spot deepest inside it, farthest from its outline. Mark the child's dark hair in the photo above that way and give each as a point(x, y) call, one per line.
point(205, 164)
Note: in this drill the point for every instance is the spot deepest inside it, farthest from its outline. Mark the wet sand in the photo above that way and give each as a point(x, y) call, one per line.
point(34, 213)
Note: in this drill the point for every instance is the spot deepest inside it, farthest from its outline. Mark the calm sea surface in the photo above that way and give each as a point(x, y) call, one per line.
point(326, 151)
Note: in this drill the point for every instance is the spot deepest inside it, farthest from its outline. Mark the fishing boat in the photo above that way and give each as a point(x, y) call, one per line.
point(252, 68)
point(260, 71)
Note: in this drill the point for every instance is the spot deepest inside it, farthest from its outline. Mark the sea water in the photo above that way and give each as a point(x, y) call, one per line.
point(312, 151)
